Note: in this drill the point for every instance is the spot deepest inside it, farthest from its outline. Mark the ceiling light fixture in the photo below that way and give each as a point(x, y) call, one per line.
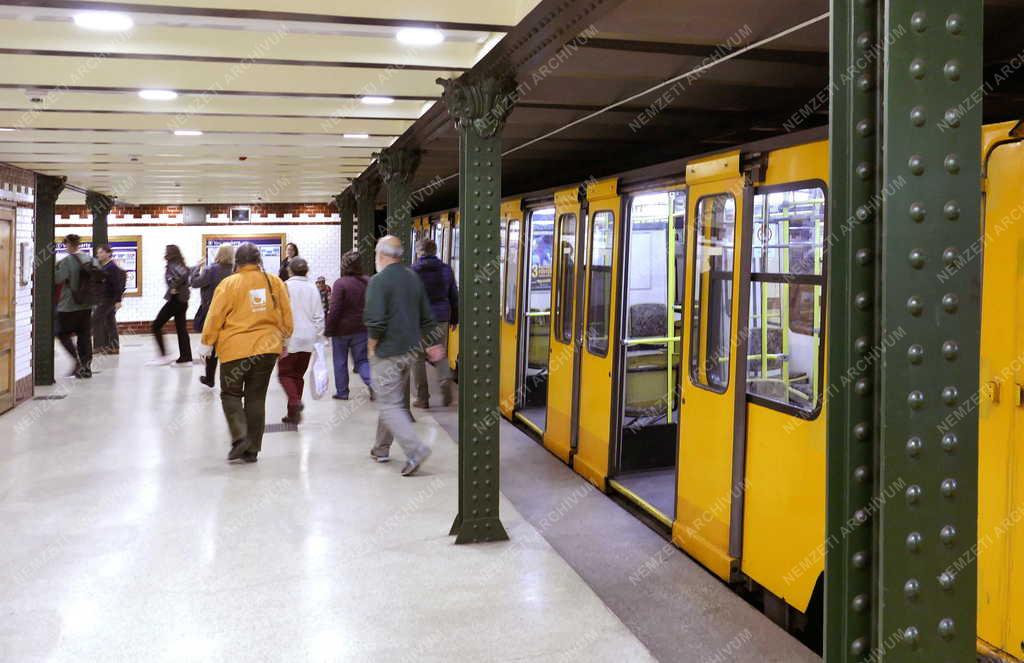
point(158, 95)
point(6, 129)
point(187, 132)
point(104, 21)
point(357, 136)
point(420, 36)
point(377, 101)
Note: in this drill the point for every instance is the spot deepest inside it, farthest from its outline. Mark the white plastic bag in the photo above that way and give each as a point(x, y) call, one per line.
point(320, 381)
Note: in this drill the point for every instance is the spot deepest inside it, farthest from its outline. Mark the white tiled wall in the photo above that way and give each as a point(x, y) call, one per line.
point(320, 245)
point(23, 296)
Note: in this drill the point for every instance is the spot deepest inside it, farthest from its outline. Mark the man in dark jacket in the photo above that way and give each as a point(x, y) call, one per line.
point(443, 292)
point(105, 338)
point(398, 321)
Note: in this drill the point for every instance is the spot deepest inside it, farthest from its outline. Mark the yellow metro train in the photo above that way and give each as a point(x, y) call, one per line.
point(625, 303)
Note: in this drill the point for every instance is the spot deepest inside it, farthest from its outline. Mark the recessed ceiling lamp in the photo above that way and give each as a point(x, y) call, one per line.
point(420, 36)
point(103, 20)
point(158, 95)
point(187, 132)
point(377, 101)
point(357, 136)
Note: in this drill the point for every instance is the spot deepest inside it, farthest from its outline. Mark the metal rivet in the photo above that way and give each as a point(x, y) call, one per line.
point(862, 431)
point(948, 535)
point(915, 353)
point(916, 258)
point(860, 559)
point(952, 70)
point(863, 214)
point(861, 516)
point(917, 68)
point(865, 40)
point(915, 399)
point(952, 164)
point(950, 350)
point(914, 541)
point(862, 387)
point(948, 487)
point(914, 446)
point(915, 306)
point(949, 256)
point(917, 211)
point(861, 474)
point(913, 494)
point(859, 603)
point(865, 128)
point(916, 164)
point(946, 580)
point(865, 83)
point(864, 256)
point(863, 170)
point(952, 118)
point(950, 302)
point(951, 210)
point(911, 636)
point(862, 345)
point(862, 300)
point(950, 442)
point(947, 629)
point(912, 588)
point(954, 24)
point(919, 22)
point(859, 647)
point(918, 116)
point(950, 394)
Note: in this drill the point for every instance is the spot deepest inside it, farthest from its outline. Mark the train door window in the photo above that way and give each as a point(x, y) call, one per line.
point(511, 270)
point(535, 330)
point(599, 289)
point(784, 354)
point(565, 301)
point(454, 262)
point(714, 249)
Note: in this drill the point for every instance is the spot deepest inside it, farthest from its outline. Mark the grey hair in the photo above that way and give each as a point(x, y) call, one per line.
point(384, 247)
point(248, 254)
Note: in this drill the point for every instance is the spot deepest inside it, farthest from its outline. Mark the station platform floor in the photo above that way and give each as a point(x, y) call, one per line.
point(127, 537)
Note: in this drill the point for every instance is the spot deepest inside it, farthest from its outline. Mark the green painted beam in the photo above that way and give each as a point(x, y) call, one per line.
point(366, 190)
point(346, 204)
point(48, 189)
point(99, 206)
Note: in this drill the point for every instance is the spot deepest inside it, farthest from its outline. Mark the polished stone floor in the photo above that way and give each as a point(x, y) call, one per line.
point(126, 537)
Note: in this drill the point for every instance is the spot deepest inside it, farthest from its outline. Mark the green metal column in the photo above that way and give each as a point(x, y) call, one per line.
point(99, 205)
point(479, 108)
point(397, 168)
point(366, 190)
point(346, 204)
point(48, 189)
point(902, 473)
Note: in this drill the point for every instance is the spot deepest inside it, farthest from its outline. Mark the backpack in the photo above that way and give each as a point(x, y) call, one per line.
point(92, 283)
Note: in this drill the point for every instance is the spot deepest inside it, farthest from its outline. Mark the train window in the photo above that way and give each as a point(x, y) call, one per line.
point(564, 300)
point(511, 270)
point(502, 257)
point(711, 318)
point(784, 354)
point(599, 290)
point(454, 261)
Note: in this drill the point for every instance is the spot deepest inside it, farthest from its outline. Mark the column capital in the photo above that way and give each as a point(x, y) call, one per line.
point(366, 189)
point(479, 104)
point(49, 188)
point(398, 164)
point(98, 203)
point(345, 202)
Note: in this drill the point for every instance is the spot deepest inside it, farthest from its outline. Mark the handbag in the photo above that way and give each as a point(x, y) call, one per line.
point(321, 375)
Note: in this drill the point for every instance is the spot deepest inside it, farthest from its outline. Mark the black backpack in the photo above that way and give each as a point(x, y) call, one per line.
point(92, 283)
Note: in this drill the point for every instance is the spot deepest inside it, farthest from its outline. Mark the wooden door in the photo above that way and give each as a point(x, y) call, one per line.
point(7, 286)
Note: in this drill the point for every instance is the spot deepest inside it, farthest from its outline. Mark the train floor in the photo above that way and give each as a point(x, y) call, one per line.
point(656, 487)
point(673, 605)
point(127, 537)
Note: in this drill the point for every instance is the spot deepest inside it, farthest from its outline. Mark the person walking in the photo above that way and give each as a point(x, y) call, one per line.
point(443, 293)
point(249, 320)
point(325, 292)
point(176, 276)
point(207, 278)
point(290, 251)
point(105, 339)
point(398, 319)
point(74, 311)
point(345, 325)
point(308, 323)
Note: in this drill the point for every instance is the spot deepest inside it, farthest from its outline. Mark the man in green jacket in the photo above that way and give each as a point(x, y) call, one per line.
point(397, 317)
point(73, 318)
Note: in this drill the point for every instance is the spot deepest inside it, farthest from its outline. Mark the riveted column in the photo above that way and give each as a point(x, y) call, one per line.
point(99, 206)
point(346, 204)
point(48, 189)
point(397, 168)
point(366, 191)
point(479, 108)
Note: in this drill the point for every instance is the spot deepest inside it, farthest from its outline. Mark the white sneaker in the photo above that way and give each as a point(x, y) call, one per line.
point(161, 361)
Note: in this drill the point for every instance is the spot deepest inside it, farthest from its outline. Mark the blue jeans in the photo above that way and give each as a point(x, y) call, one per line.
point(342, 346)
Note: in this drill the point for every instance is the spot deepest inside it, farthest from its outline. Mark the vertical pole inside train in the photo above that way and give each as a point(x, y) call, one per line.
point(479, 108)
point(903, 359)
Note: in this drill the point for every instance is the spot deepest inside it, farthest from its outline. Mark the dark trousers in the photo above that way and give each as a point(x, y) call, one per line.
point(342, 346)
point(105, 339)
point(79, 325)
point(211, 367)
point(243, 395)
point(290, 372)
point(179, 311)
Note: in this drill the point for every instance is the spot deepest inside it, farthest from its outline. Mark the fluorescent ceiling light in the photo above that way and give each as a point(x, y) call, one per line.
point(105, 21)
point(158, 95)
point(420, 36)
point(358, 136)
point(377, 101)
point(6, 129)
point(187, 132)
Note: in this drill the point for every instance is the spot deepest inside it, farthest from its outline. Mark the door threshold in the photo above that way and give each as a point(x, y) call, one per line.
point(641, 503)
point(529, 424)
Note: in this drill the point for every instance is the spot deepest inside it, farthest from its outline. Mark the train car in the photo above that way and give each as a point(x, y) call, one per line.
point(663, 333)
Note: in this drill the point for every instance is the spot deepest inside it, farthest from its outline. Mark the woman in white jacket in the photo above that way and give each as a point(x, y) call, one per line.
point(308, 316)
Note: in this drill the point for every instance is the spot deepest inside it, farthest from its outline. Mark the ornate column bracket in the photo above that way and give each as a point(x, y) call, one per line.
point(99, 205)
point(479, 107)
point(366, 190)
point(346, 204)
point(48, 189)
point(397, 167)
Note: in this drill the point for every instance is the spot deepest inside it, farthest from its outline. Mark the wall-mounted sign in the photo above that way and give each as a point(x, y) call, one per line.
point(127, 255)
point(240, 215)
point(271, 247)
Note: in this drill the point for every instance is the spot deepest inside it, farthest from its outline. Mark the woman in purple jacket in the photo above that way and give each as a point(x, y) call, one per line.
point(344, 324)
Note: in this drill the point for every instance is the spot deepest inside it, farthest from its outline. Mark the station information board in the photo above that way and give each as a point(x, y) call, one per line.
point(271, 247)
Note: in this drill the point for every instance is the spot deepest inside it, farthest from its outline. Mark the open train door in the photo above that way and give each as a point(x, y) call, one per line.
point(595, 351)
point(1001, 409)
point(452, 242)
point(510, 258)
point(714, 398)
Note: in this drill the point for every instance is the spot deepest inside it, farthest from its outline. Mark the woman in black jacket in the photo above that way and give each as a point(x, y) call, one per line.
point(207, 278)
point(290, 251)
point(176, 306)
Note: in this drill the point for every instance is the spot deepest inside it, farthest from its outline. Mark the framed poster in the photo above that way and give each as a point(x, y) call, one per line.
point(127, 255)
point(271, 248)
